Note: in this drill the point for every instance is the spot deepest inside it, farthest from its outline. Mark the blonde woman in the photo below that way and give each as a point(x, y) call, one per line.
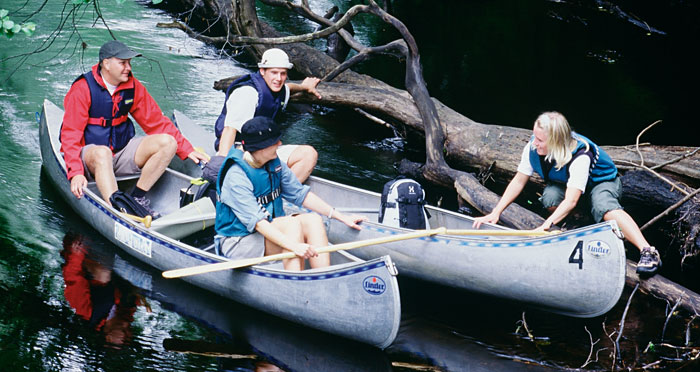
point(573, 166)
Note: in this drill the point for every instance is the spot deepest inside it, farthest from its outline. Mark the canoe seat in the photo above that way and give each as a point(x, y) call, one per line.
point(193, 217)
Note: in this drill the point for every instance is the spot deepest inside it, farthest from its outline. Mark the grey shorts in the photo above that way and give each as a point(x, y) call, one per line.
point(239, 247)
point(601, 198)
point(122, 162)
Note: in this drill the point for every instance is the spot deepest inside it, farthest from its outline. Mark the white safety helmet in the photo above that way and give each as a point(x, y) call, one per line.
point(275, 58)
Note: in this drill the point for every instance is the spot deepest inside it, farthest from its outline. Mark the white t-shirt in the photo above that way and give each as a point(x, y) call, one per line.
point(578, 169)
point(110, 88)
point(241, 106)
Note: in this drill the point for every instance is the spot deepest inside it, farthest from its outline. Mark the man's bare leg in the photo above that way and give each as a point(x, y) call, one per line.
point(291, 228)
point(154, 155)
point(99, 162)
point(315, 235)
point(302, 161)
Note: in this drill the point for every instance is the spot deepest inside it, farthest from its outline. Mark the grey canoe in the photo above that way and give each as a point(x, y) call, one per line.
point(579, 272)
point(333, 299)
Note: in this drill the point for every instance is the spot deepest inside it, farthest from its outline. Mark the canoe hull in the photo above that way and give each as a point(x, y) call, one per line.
point(578, 273)
point(343, 299)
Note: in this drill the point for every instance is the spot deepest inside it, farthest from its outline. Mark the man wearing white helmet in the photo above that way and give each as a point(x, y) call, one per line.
point(264, 93)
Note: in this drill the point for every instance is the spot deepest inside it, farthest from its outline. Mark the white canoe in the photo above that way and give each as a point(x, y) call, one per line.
point(332, 299)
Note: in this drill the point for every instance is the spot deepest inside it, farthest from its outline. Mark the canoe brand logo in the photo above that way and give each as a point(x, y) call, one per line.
point(374, 285)
point(598, 248)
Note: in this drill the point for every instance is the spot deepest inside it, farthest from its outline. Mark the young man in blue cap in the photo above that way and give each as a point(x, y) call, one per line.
point(250, 220)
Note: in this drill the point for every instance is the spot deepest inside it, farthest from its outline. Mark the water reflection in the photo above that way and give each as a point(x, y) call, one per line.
point(105, 302)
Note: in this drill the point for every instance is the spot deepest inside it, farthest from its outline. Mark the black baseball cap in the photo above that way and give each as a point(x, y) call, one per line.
point(258, 133)
point(117, 49)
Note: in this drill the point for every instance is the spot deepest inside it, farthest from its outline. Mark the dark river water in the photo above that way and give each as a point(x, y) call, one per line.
point(612, 68)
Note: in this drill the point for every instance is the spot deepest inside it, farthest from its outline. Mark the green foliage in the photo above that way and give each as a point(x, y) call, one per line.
point(9, 28)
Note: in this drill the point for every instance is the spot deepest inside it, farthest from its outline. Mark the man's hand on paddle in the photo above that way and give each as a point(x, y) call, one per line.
point(77, 183)
point(303, 250)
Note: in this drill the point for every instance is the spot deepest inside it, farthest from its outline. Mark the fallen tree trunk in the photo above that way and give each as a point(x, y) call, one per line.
point(661, 287)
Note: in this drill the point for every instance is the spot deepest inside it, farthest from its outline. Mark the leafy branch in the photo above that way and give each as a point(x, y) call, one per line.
point(9, 28)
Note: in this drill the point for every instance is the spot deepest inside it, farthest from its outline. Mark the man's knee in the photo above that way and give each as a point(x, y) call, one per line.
point(98, 157)
point(290, 226)
point(311, 221)
point(305, 153)
point(162, 146)
point(165, 142)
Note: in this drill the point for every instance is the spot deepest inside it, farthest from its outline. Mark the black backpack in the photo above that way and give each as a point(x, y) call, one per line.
point(126, 203)
point(197, 189)
point(403, 204)
point(204, 186)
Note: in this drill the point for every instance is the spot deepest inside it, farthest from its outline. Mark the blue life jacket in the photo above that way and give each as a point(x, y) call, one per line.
point(266, 188)
point(269, 102)
point(106, 127)
point(602, 167)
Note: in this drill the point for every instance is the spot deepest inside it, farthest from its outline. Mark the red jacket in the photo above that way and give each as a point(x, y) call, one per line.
point(78, 290)
point(145, 111)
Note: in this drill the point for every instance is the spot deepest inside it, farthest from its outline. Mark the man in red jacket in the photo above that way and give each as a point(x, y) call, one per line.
point(97, 135)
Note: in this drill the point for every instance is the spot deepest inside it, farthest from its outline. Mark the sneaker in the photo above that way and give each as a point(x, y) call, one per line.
point(146, 204)
point(649, 262)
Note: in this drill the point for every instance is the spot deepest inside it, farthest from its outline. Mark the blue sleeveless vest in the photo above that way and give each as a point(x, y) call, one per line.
point(602, 167)
point(269, 102)
point(105, 127)
point(266, 188)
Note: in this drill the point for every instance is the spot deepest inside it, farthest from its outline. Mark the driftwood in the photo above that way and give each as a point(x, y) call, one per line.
point(661, 287)
point(452, 141)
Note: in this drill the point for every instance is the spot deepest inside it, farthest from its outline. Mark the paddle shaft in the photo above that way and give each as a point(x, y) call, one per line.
point(500, 232)
point(203, 269)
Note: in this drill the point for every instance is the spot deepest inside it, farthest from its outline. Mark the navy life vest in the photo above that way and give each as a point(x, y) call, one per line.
point(269, 102)
point(108, 122)
point(602, 167)
point(267, 183)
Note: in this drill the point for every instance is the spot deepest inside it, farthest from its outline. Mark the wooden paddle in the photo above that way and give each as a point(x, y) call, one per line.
point(227, 265)
point(500, 232)
point(146, 221)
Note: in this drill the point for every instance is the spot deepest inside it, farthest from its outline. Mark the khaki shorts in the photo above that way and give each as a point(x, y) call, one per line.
point(122, 162)
point(601, 198)
point(285, 151)
point(239, 247)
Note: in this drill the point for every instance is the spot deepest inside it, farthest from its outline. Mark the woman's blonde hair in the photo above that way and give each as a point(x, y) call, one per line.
point(560, 139)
